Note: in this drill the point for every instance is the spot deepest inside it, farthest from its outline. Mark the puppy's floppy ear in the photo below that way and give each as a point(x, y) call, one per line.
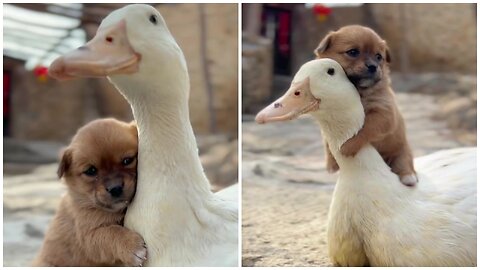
point(133, 127)
point(388, 57)
point(324, 44)
point(65, 162)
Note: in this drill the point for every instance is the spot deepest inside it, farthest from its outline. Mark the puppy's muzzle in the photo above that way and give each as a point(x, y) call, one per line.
point(371, 68)
point(115, 190)
point(368, 77)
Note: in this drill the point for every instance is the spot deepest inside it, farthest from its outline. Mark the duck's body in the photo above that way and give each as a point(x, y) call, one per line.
point(182, 222)
point(374, 219)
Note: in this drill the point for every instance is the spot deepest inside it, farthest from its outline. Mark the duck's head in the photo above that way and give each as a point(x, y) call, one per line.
point(132, 45)
point(321, 88)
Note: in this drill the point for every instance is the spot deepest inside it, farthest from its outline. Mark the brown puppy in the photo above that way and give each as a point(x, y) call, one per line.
point(99, 169)
point(365, 57)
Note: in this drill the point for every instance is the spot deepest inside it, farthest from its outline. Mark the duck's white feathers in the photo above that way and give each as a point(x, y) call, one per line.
point(384, 223)
point(374, 219)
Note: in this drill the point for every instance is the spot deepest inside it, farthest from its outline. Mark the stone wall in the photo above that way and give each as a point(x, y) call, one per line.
point(183, 20)
point(429, 37)
point(438, 37)
point(44, 110)
point(53, 110)
point(257, 73)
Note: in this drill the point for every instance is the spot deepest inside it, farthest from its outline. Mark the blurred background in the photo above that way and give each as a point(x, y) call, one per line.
point(286, 189)
point(40, 115)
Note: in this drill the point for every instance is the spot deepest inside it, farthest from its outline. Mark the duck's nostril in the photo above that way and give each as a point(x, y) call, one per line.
point(297, 93)
point(109, 39)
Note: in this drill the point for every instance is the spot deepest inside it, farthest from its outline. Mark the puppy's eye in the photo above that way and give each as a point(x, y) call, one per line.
point(127, 161)
point(331, 71)
point(91, 171)
point(353, 52)
point(153, 19)
point(379, 57)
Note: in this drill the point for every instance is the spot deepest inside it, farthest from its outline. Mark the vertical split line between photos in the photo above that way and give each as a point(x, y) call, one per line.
point(239, 128)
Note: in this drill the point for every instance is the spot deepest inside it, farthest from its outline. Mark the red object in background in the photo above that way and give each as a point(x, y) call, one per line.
point(40, 70)
point(320, 9)
point(284, 33)
point(41, 73)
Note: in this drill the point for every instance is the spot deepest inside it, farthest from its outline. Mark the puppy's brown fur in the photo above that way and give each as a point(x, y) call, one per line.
point(365, 57)
point(99, 169)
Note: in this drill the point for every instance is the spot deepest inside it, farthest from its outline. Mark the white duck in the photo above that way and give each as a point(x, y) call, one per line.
point(182, 221)
point(374, 219)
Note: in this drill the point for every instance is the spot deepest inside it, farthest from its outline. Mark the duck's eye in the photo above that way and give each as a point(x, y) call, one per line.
point(91, 171)
point(127, 161)
point(331, 71)
point(353, 52)
point(153, 19)
point(379, 57)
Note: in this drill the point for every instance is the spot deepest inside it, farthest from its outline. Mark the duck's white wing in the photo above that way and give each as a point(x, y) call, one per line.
point(449, 177)
point(230, 193)
point(226, 252)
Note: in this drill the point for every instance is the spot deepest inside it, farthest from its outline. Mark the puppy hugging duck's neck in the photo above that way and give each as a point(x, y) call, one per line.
point(174, 210)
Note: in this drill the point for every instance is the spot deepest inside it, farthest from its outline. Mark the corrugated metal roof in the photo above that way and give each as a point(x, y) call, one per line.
point(38, 37)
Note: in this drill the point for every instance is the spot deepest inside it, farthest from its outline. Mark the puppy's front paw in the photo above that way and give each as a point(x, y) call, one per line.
point(350, 148)
point(141, 255)
point(135, 252)
point(332, 166)
point(409, 180)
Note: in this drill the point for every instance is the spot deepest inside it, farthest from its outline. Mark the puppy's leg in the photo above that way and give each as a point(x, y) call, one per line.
point(402, 165)
point(378, 123)
point(114, 243)
point(330, 161)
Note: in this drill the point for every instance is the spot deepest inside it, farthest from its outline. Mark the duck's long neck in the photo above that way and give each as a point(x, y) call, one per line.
point(171, 182)
point(337, 128)
point(168, 153)
point(367, 165)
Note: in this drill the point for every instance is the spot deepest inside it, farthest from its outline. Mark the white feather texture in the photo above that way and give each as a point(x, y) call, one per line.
point(374, 219)
point(182, 221)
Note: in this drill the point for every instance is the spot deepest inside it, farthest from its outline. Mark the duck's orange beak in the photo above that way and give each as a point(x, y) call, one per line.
point(108, 53)
point(296, 101)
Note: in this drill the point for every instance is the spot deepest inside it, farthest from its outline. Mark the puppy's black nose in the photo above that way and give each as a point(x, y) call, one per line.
point(115, 191)
point(372, 68)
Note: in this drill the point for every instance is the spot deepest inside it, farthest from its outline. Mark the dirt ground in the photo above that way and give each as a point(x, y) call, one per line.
point(287, 191)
